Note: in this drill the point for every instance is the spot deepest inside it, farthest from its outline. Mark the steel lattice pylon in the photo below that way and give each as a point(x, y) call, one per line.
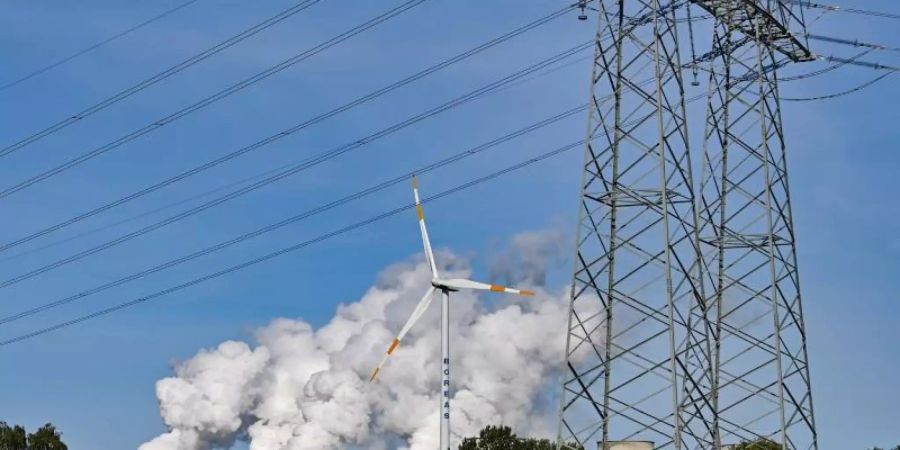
point(685, 323)
point(761, 376)
point(636, 277)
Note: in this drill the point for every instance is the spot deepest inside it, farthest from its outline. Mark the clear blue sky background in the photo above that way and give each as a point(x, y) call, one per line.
point(96, 380)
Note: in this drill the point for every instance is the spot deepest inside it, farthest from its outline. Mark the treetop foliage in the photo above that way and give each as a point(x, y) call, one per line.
point(45, 438)
point(501, 437)
point(761, 444)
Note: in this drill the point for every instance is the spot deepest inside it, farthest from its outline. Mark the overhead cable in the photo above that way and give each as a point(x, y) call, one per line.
point(293, 248)
point(306, 214)
point(220, 188)
point(825, 70)
point(133, 217)
point(259, 144)
point(870, 65)
point(864, 12)
point(155, 125)
point(118, 35)
point(304, 244)
point(295, 128)
point(309, 162)
point(842, 93)
point(122, 95)
point(852, 42)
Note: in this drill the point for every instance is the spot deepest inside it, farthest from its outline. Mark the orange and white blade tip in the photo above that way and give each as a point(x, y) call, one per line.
point(393, 346)
point(415, 181)
point(498, 288)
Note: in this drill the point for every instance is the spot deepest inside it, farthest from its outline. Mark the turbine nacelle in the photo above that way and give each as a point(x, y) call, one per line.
point(442, 285)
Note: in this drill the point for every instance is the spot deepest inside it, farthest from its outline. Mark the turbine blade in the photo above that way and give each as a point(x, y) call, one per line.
point(416, 314)
point(429, 255)
point(459, 283)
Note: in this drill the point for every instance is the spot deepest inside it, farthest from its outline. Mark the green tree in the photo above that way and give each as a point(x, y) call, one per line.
point(502, 438)
point(12, 438)
point(761, 444)
point(45, 438)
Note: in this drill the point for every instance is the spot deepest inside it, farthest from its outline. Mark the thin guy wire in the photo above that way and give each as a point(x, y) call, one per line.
point(292, 248)
point(834, 8)
point(226, 186)
point(852, 43)
point(306, 214)
point(118, 35)
point(305, 164)
point(229, 185)
point(293, 129)
point(122, 95)
point(320, 238)
point(134, 217)
point(871, 65)
point(153, 126)
point(842, 93)
point(575, 145)
point(830, 68)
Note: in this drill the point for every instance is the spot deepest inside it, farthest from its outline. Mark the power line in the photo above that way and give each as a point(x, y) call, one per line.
point(306, 214)
point(293, 248)
point(864, 12)
point(206, 193)
point(226, 186)
point(842, 93)
point(122, 95)
point(853, 42)
point(265, 142)
point(153, 126)
point(840, 61)
point(118, 35)
point(870, 65)
point(306, 243)
point(309, 162)
point(825, 70)
point(132, 218)
point(295, 128)
point(227, 270)
point(176, 178)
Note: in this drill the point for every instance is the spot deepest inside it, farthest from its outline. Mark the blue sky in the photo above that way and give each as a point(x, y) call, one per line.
point(95, 380)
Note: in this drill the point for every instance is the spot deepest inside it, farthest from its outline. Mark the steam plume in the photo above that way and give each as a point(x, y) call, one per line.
point(299, 388)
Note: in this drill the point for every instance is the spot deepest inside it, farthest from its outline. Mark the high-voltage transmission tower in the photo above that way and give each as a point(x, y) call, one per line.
point(686, 328)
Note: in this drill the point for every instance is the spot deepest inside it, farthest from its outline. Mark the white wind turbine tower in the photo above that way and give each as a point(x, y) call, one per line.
point(446, 286)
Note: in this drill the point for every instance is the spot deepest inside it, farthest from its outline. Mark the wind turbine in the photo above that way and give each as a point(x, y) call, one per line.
point(445, 286)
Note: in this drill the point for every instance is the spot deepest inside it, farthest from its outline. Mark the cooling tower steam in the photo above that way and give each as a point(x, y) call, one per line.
point(295, 387)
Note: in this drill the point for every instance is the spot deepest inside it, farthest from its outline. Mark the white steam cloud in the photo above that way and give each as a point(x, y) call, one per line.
point(298, 388)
